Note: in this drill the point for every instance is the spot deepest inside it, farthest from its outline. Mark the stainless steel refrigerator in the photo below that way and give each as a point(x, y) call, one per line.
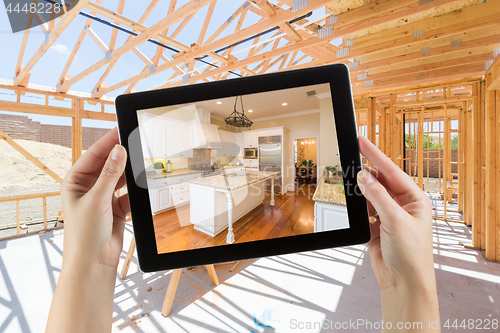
point(270, 160)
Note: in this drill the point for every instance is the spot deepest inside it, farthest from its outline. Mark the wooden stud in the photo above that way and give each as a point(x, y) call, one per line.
point(482, 185)
point(44, 213)
point(62, 23)
point(212, 274)
point(234, 266)
point(445, 160)
point(371, 114)
point(497, 191)
point(18, 219)
point(128, 259)
point(420, 149)
point(492, 237)
point(172, 288)
point(114, 33)
point(76, 132)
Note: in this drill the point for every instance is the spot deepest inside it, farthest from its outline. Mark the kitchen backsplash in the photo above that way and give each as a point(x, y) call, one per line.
point(200, 157)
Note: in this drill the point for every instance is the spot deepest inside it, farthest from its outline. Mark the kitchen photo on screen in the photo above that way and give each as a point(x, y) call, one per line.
point(243, 168)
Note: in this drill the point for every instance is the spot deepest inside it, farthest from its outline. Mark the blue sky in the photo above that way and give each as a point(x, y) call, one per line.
point(49, 67)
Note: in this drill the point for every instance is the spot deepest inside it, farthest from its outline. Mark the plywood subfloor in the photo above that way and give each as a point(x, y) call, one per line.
point(292, 214)
point(271, 294)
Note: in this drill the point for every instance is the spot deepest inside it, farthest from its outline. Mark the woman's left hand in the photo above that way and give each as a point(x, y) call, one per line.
point(94, 218)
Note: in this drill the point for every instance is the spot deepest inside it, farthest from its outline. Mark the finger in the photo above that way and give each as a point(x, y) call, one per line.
point(95, 156)
point(121, 182)
point(380, 178)
point(111, 173)
point(376, 193)
point(394, 177)
point(124, 205)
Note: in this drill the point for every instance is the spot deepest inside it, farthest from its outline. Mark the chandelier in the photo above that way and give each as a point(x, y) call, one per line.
point(238, 119)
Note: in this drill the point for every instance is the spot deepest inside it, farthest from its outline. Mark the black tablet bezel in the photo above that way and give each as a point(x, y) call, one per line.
point(337, 76)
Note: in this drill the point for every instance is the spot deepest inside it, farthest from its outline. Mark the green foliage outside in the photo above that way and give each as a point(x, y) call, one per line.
point(431, 140)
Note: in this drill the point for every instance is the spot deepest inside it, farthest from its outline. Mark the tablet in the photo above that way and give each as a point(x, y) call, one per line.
point(242, 168)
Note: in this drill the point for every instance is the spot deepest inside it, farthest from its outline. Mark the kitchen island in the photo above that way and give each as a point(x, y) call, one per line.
point(218, 201)
point(330, 211)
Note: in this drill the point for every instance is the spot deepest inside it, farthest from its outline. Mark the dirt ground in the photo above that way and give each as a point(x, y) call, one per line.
point(18, 176)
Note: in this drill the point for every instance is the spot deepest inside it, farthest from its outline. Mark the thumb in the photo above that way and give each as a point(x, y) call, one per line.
point(111, 172)
point(378, 196)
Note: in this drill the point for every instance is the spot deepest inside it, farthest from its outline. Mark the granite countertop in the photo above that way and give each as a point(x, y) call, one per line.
point(175, 172)
point(330, 193)
point(228, 182)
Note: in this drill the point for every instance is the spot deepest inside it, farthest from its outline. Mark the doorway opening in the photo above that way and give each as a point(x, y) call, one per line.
point(306, 160)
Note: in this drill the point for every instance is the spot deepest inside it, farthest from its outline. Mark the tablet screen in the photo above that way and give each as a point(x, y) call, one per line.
point(241, 169)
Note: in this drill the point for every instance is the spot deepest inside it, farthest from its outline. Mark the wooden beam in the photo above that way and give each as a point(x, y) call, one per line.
point(76, 131)
point(186, 10)
point(29, 196)
point(143, 18)
point(226, 23)
point(141, 56)
point(203, 31)
point(371, 116)
point(76, 48)
point(433, 64)
point(63, 22)
point(420, 149)
point(497, 192)
point(30, 157)
point(23, 44)
point(286, 27)
point(434, 101)
point(492, 236)
point(53, 111)
point(128, 259)
point(136, 26)
point(467, 19)
point(434, 77)
point(221, 42)
point(476, 222)
point(171, 289)
point(114, 33)
point(493, 76)
point(96, 39)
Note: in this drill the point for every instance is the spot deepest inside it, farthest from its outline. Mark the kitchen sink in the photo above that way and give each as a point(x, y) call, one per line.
point(331, 181)
point(232, 175)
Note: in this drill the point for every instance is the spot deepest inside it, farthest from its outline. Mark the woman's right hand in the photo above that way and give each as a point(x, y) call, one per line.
point(401, 245)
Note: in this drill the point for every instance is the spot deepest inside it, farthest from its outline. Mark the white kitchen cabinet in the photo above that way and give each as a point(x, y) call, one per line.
point(330, 217)
point(228, 145)
point(164, 200)
point(263, 133)
point(239, 144)
point(251, 163)
point(169, 192)
point(172, 139)
point(153, 137)
point(251, 139)
point(186, 141)
point(180, 139)
point(275, 132)
point(163, 137)
point(205, 136)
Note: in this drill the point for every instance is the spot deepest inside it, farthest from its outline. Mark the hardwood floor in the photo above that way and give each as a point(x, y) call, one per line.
point(292, 214)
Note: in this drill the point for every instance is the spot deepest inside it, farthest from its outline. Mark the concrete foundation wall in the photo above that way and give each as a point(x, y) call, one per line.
point(22, 127)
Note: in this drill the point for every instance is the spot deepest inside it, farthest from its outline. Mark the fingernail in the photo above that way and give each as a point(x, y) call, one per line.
point(117, 153)
point(365, 178)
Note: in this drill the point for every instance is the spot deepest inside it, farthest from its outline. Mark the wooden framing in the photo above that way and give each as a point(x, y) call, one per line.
point(19, 198)
point(30, 157)
point(420, 64)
